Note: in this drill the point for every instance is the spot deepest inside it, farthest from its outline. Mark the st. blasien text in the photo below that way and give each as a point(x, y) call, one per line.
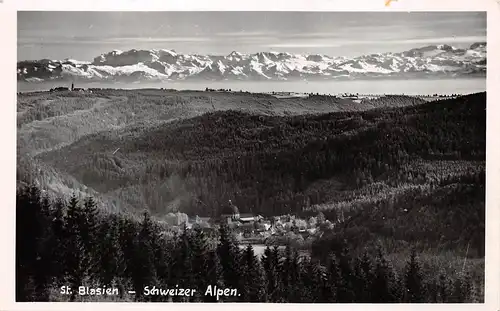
point(90, 291)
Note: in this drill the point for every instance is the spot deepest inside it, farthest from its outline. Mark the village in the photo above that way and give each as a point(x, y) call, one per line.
point(72, 89)
point(254, 229)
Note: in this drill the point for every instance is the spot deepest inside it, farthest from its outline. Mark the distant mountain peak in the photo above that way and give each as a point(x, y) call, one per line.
point(476, 45)
point(446, 47)
point(166, 64)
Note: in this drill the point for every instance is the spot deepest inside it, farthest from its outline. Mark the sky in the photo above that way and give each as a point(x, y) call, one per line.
point(85, 35)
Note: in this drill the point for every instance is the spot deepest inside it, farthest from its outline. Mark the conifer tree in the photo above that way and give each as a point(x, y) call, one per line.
point(432, 289)
point(199, 261)
point(271, 273)
point(214, 273)
point(253, 281)
point(75, 257)
point(286, 275)
point(382, 287)
point(127, 247)
point(57, 242)
point(476, 293)
point(444, 287)
point(461, 289)
point(345, 292)
point(413, 280)
point(229, 256)
point(42, 277)
point(34, 259)
point(107, 251)
point(28, 235)
point(276, 262)
point(467, 287)
point(358, 281)
point(367, 275)
point(163, 251)
point(332, 280)
point(311, 281)
point(88, 232)
point(182, 268)
point(296, 278)
point(161, 260)
point(144, 268)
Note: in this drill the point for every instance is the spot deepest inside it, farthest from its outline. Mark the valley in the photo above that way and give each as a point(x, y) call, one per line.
point(400, 172)
point(170, 151)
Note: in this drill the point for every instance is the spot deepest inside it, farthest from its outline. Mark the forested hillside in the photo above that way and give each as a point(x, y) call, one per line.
point(406, 164)
point(388, 180)
point(70, 244)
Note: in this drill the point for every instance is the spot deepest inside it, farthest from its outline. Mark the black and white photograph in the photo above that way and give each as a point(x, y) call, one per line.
point(239, 156)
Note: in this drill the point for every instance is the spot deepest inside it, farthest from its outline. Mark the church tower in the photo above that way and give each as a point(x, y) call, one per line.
point(230, 213)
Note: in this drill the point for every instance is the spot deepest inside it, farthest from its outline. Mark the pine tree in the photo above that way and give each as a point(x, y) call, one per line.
point(57, 242)
point(332, 280)
point(359, 281)
point(214, 274)
point(33, 245)
point(476, 293)
point(42, 277)
point(163, 250)
point(182, 268)
point(252, 288)
point(128, 247)
point(345, 291)
point(398, 287)
point(271, 273)
point(144, 273)
point(107, 247)
point(311, 281)
point(276, 295)
point(432, 289)
point(88, 232)
point(229, 256)
point(366, 267)
point(75, 257)
point(296, 279)
point(286, 275)
point(467, 287)
point(28, 234)
point(199, 261)
point(444, 287)
point(462, 289)
point(413, 280)
point(382, 288)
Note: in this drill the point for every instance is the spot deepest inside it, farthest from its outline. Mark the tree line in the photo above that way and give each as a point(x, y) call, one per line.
point(72, 243)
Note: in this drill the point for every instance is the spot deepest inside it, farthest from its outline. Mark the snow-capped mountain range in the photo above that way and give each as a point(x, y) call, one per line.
point(160, 65)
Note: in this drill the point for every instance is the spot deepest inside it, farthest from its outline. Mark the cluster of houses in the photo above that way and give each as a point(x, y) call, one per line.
point(65, 89)
point(249, 227)
point(219, 90)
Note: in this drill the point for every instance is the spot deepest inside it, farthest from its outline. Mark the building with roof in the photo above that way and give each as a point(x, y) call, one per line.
point(230, 213)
